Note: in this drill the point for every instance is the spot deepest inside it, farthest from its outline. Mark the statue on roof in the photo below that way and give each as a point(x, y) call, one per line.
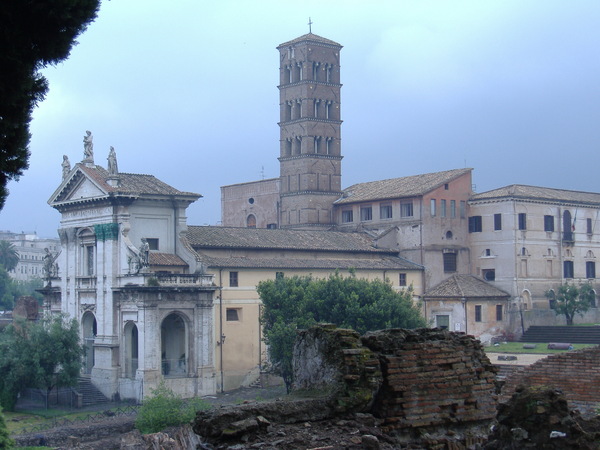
point(66, 166)
point(112, 162)
point(88, 147)
point(145, 253)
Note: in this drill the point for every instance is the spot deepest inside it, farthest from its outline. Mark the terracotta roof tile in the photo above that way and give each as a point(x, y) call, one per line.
point(384, 263)
point(311, 38)
point(520, 191)
point(412, 186)
point(465, 286)
point(280, 239)
point(165, 259)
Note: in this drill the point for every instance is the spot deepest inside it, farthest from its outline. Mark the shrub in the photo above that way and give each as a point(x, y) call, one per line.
point(166, 409)
point(5, 440)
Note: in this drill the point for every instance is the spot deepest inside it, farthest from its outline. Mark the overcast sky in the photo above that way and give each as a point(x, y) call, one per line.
point(186, 90)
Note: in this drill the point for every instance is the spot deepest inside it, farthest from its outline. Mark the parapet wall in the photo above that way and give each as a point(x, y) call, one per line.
point(409, 378)
point(576, 374)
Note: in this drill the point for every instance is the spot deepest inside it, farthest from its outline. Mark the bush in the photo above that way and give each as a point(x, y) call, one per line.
point(5, 440)
point(165, 409)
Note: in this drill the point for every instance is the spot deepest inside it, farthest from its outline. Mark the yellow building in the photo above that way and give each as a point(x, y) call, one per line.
point(239, 258)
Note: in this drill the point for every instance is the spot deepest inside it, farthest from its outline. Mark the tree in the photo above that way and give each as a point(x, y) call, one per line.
point(293, 303)
point(9, 257)
point(42, 355)
point(35, 33)
point(571, 300)
point(5, 440)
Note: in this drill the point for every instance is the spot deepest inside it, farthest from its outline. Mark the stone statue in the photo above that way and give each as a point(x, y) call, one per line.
point(50, 266)
point(112, 162)
point(88, 147)
point(145, 253)
point(66, 166)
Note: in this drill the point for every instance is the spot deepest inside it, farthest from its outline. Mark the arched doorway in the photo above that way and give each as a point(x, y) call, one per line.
point(131, 349)
point(90, 329)
point(174, 345)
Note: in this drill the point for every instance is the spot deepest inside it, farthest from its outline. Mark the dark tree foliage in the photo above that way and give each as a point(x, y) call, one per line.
point(571, 300)
point(42, 355)
point(33, 34)
point(9, 257)
point(296, 303)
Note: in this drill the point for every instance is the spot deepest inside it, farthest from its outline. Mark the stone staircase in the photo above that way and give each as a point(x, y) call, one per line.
point(91, 395)
point(567, 334)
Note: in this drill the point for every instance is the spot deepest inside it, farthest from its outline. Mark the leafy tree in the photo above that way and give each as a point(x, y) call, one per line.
point(11, 290)
point(5, 440)
point(9, 257)
point(165, 409)
point(571, 300)
point(35, 33)
point(293, 303)
point(43, 355)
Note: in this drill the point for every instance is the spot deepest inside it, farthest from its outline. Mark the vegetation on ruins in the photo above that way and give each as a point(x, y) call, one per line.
point(166, 409)
point(569, 300)
point(41, 355)
point(35, 34)
point(293, 303)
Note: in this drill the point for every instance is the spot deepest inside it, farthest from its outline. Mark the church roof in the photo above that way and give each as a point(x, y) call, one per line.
point(536, 193)
point(215, 237)
point(380, 263)
point(310, 37)
point(465, 286)
point(165, 259)
point(412, 186)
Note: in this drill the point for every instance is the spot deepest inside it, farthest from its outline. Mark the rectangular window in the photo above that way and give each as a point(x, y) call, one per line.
point(402, 281)
point(589, 226)
point(568, 269)
point(385, 212)
point(232, 314)
point(233, 279)
point(432, 207)
point(477, 313)
point(443, 208)
point(548, 223)
point(499, 315)
point(89, 260)
point(475, 224)
point(590, 269)
point(406, 209)
point(442, 321)
point(453, 208)
point(497, 222)
point(366, 213)
point(449, 262)
point(152, 243)
point(463, 209)
point(522, 221)
point(347, 216)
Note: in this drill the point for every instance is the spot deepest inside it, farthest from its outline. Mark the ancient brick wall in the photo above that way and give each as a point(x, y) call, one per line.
point(576, 374)
point(424, 377)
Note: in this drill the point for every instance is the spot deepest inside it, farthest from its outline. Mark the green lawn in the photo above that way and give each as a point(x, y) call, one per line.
point(517, 347)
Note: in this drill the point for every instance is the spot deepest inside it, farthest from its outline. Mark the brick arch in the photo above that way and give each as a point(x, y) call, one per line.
point(575, 373)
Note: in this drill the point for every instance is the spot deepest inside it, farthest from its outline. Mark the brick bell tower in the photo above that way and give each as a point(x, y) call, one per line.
point(310, 131)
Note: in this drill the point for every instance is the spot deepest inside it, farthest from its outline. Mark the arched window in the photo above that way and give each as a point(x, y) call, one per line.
point(526, 296)
point(87, 241)
point(449, 235)
point(130, 336)
point(174, 346)
point(89, 327)
point(251, 221)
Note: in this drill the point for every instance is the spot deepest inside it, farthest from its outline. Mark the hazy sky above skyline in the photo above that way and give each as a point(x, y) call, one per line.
point(187, 91)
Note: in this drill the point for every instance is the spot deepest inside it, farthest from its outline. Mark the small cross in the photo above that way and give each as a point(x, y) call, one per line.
point(309, 25)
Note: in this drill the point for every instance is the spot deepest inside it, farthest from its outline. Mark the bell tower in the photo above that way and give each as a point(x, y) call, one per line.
point(310, 131)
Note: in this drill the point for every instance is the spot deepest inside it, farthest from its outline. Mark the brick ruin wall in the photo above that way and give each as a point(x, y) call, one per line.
point(409, 378)
point(576, 374)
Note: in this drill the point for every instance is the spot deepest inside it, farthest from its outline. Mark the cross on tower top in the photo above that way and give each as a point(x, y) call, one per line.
point(309, 25)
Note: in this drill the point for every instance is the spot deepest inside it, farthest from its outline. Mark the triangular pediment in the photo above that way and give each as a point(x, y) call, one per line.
point(77, 186)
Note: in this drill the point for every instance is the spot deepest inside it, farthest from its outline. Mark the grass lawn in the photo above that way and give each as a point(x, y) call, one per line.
point(517, 347)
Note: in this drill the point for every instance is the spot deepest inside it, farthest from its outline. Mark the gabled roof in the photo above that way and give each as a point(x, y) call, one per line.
point(125, 184)
point(536, 193)
point(379, 263)
point(465, 286)
point(214, 237)
point(310, 37)
point(412, 186)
